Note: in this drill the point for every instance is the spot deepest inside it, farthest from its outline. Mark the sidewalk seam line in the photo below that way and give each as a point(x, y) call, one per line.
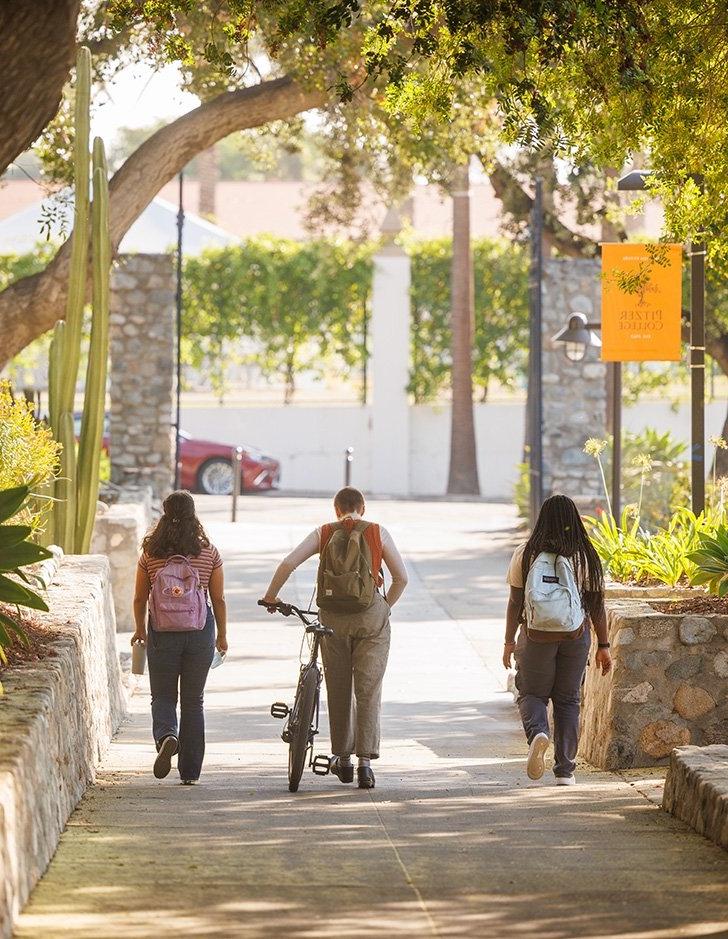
point(407, 876)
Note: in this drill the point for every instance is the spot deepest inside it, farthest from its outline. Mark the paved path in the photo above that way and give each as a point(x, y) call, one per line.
point(454, 841)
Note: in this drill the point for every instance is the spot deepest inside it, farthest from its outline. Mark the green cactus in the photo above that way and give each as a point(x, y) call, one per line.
point(76, 489)
point(55, 369)
point(79, 238)
point(92, 427)
point(64, 515)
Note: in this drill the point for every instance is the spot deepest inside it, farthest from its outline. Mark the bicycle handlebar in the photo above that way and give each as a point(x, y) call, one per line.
point(286, 609)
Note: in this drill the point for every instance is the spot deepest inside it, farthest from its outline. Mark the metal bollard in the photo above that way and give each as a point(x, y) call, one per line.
point(348, 460)
point(237, 466)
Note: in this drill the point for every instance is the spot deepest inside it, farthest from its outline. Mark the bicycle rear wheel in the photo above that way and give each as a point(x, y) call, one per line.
point(301, 724)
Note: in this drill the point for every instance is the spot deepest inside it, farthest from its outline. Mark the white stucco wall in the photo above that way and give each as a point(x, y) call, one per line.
point(310, 441)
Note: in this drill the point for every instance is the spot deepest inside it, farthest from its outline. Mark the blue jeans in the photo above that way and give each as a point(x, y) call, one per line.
point(180, 661)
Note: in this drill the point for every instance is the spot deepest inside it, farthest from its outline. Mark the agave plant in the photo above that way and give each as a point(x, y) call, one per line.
point(711, 561)
point(615, 544)
point(16, 552)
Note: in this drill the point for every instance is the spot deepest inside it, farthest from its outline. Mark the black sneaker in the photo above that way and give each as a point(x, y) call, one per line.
point(163, 763)
point(345, 772)
point(365, 776)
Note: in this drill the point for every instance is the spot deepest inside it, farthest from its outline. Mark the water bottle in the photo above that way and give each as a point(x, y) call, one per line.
point(138, 657)
point(217, 659)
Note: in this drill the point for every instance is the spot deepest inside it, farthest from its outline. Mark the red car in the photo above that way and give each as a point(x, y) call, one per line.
point(207, 466)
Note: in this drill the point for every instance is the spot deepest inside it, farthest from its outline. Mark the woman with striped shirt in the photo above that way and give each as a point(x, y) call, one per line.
point(179, 662)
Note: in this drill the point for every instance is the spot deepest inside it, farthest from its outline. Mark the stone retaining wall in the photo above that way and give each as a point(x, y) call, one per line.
point(696, 790)
point(57, 717)
point(118, 533)
point(668, 687)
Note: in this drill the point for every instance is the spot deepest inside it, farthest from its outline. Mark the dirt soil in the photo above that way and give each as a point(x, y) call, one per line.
point(705, 604)
point(40, 637)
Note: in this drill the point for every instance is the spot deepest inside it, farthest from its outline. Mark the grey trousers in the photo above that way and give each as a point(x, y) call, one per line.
point(555, 671)
point(355, 659)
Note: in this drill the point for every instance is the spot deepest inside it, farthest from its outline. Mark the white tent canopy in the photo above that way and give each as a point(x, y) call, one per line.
point(154, 232)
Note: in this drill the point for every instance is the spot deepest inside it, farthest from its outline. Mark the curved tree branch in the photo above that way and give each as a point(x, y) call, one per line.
point(32, 305)
point(556, 235)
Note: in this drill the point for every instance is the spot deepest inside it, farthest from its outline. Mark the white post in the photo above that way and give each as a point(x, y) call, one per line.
point(390, 364)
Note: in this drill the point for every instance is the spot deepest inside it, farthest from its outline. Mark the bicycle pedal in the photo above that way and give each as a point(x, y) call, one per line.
point(279, 710)
point(321, 765)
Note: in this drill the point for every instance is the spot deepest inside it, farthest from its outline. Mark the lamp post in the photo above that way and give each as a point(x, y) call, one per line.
point(178, 301)
point(636, 181)
point(535, 378)
point(577, 337)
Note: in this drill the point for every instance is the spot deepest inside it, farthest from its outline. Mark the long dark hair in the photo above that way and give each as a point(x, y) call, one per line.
point(178, 530)
point(560, 530)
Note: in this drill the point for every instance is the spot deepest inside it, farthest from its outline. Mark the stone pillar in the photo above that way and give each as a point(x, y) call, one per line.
point(390, 364)
point(142, 352)
point(574, 393)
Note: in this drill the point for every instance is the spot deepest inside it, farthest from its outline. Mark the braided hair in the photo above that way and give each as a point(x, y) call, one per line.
point(560, 530)
point(178, 530)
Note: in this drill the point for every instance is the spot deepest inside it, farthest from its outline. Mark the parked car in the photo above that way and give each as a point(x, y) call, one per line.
point(206, 466)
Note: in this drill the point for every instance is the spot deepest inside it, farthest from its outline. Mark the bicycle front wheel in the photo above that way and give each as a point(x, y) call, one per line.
point(301, 725)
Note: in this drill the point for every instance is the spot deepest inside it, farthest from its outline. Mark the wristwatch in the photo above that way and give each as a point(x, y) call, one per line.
point(603, 645)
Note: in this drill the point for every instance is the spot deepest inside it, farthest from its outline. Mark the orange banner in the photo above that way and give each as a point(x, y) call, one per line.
point(641, 302)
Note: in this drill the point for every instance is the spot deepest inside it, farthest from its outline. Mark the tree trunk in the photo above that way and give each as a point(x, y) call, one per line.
point(290, 373)
point(208, 173)
point(556, 236)
point(37, 48)
point(31, 306)
point(463, 478)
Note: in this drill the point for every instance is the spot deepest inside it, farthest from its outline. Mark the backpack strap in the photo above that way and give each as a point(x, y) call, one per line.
point(373, 535)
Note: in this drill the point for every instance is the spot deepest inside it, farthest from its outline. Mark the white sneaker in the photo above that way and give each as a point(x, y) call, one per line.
point(566, 780)
point(536, 752)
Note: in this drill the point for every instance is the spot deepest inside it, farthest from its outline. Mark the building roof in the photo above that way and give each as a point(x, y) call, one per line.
point(154, 232)
point(277, 207)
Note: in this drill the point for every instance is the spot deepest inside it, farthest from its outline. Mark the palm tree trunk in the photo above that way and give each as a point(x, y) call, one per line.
point(463, 477)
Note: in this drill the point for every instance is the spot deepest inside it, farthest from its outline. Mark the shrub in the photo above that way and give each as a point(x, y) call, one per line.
point(669, 474)
point(631, 554)
point(16, 552)
point(711, 562)
point(28, 453)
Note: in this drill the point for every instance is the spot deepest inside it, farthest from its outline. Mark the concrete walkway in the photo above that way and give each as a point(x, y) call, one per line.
point(454, 841)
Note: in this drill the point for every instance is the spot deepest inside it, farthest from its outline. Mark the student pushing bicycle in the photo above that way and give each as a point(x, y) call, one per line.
point(351, 602)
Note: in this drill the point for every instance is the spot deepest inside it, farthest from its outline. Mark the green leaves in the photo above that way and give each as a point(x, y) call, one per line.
point(299, 305)
point(501, 315)
point(672, 555)
point(16, 552)
point(11, 501)
point(711, 561)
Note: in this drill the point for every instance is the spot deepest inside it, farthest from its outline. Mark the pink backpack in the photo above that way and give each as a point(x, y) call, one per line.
point(177, 601)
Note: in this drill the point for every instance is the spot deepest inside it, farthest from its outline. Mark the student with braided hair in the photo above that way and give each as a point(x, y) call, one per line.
point(557, 598)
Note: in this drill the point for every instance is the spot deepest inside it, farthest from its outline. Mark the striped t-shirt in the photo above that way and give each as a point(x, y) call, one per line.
point(205, 563)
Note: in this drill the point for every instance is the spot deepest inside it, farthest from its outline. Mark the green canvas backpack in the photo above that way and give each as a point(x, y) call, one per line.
point(346, 583)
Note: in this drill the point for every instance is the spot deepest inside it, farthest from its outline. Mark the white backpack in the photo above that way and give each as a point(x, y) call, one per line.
point(552, 602)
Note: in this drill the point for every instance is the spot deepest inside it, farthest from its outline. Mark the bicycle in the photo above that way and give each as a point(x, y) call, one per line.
point(301, 727)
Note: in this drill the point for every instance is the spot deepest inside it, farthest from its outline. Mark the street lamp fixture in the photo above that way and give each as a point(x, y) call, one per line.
point(577, 337)
point(635, 181)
